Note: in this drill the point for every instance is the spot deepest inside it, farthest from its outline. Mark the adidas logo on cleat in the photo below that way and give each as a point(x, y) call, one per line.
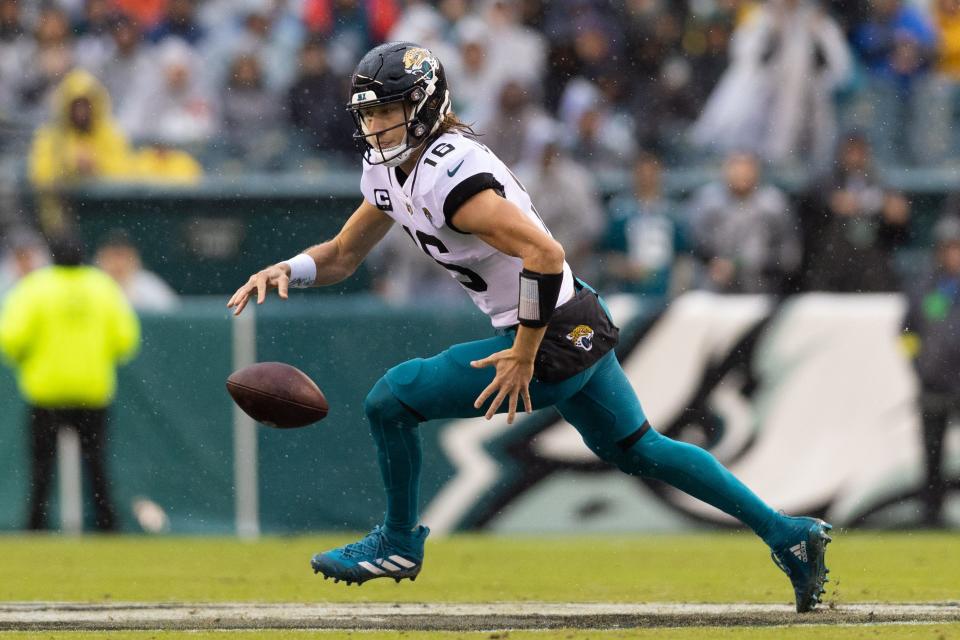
point(385, 566)
point(800, 550)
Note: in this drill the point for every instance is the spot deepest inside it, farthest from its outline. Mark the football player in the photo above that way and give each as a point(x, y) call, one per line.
point(553, 336)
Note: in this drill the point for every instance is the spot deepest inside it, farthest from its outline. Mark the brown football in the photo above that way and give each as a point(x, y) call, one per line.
point(277, 395)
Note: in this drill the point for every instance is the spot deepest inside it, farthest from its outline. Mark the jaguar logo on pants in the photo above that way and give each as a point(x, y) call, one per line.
point(581, 337)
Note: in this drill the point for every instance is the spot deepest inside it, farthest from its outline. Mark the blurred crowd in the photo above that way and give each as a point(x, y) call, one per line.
point(566, 92)
point(737, 234)
point(260, 84)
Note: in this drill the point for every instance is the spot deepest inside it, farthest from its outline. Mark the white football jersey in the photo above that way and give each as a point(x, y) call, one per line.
point(452, 169)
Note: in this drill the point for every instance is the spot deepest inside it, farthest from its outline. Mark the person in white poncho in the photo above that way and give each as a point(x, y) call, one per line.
point(776, 97)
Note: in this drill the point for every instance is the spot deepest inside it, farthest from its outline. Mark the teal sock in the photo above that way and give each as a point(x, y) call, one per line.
point(696, 472)
point(397, 436)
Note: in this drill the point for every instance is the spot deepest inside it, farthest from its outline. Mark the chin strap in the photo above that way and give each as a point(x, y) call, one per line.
point(377, 156)
point(395, 160)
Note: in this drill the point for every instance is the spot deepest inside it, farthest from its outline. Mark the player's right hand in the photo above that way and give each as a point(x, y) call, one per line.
point(277, 276)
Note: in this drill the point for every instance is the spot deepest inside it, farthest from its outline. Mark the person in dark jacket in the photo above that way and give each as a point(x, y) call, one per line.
point(313, 103)
point(856, 222)
point(932, 337)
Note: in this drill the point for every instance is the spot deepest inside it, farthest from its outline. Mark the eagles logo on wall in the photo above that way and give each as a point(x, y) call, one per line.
point(766, 386)
point(419, 61)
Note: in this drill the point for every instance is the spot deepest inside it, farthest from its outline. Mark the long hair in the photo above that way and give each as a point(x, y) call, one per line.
point(451, 122)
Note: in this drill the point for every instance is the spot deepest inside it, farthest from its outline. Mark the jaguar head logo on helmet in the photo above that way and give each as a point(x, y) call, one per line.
point(405, 74)
point(420, 61)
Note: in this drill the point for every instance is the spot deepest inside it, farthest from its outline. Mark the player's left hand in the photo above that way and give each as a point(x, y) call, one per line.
point(512, 381)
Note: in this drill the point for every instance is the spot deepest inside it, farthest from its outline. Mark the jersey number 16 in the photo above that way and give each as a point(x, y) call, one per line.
point(473, 280)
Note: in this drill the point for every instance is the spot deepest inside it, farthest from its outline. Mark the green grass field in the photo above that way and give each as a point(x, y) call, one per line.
point(702, 568)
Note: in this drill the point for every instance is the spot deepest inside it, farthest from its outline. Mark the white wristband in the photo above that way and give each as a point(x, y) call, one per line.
point(303, 271)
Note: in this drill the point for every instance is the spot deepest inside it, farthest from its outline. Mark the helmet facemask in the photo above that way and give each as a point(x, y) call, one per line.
point(375, 152)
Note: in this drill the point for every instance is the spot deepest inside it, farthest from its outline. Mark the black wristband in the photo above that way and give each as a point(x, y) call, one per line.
point(538, 297)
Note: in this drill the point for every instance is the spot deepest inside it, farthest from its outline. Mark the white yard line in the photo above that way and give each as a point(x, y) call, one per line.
point(65, 616)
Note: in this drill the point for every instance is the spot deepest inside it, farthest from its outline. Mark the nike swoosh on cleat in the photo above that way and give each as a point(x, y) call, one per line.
point(453, 172)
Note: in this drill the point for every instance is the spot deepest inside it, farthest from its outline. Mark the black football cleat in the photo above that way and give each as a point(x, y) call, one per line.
point(374, 556)
point(803, 560)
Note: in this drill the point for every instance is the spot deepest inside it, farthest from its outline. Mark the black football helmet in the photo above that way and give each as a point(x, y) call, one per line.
point(399, 72)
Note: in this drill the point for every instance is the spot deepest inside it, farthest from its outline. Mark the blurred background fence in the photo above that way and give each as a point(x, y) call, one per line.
point(816, 380)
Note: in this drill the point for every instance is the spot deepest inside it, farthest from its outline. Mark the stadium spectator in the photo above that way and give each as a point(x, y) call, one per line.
point(532, 13)
point(121, 63)
point(598, 40)
point(42, 64)
point(947, 23)
point(932, 338)
point(14, 46)
point(119, 257)
point(454, 11)
point(180, 22)
point(644, 235)
point(604, 140)
point(147, 13)
point(161, 163)
point(856, 224)
point(518, 113)
point(672, 81)
point(577, 30)
point(64, 329)
point(707, 50)
point(849, 15)
point(473, 75)
point(348, 27)
point(171, 105)
point(217, 15)
point(776, 98)
point(315, 103)
point(896, 44)
point(519, 49)
point(939, 94)
point(11, 22)
point(743, 231)
point(81, 141)
point(565, 196)
point(653, 32)
point(93, 29)
point(252, 113)
point(266, 29)
point(423, 23)
point(26, 252)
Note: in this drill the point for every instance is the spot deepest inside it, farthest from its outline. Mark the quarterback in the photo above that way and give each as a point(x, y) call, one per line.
point(553, 337)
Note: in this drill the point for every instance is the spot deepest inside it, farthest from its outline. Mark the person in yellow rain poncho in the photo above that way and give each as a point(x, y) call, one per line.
point(80, 142)
point(64, 329)
point(159, 163)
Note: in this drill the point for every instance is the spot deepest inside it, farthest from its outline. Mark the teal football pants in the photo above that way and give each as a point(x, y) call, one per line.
point(599, 402)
